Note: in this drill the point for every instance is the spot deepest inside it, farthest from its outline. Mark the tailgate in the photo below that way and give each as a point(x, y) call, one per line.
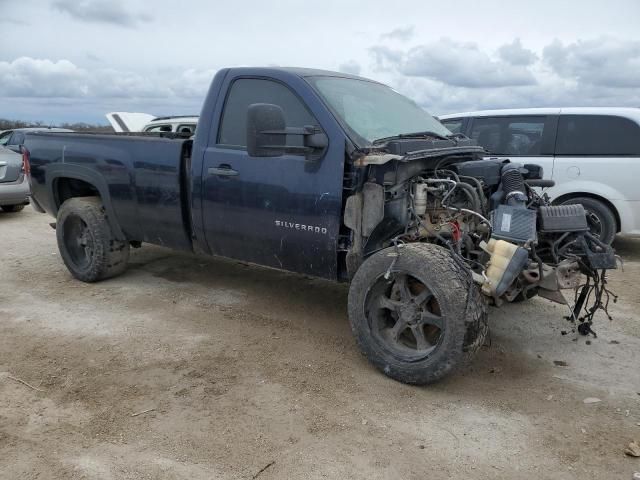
point(10, 165)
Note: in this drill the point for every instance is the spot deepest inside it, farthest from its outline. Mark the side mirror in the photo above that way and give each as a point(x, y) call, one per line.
point(262, 120)
point(267, 134)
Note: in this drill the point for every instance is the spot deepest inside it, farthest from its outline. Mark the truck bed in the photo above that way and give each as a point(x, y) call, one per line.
point(142, 177)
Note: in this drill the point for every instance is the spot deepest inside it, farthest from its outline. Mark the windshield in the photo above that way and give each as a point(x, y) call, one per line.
point(373, 111)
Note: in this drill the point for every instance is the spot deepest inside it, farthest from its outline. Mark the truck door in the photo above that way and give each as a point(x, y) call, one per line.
point(523, 139)
point(283, 211)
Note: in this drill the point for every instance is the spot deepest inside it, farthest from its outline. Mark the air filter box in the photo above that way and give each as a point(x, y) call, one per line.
point(563, 218)
point(514, 224)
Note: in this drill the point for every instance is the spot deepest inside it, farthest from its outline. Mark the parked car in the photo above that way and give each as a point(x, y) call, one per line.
point(14, 181)
point(13, 139)
point(144, 122)
point(592, 154)
point(335, 176)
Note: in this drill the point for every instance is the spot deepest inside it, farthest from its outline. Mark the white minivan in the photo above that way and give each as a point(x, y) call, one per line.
point(592, 154)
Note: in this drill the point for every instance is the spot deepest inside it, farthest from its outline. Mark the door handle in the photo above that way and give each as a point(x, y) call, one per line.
point(223, 171)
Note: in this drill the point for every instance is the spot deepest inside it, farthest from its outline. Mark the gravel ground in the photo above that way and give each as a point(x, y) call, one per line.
point(197, 368)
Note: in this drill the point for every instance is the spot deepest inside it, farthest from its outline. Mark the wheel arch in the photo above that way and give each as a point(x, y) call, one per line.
point(64, 185)
point(606, 202)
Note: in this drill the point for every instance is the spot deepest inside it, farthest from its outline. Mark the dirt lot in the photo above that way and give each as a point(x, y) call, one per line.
point(236, 368)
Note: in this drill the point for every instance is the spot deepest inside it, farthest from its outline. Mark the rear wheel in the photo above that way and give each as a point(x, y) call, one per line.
point(419, 324)
point(12, 208)
point(601, 220)
point(87, 245)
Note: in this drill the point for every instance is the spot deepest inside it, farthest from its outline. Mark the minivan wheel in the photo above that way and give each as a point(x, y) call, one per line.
point(601, 220)
point(87, 245)
point(423, 321)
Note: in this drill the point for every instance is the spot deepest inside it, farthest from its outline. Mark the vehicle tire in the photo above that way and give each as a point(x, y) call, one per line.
point(421, 323)
point(12, 208)
point(602, 221)
point(87, 245)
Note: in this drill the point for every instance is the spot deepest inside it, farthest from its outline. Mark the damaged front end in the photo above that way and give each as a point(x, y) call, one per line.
point(488, 213)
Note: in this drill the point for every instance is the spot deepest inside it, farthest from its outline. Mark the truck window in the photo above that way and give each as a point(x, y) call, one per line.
point(597, 135)
point(158, 128)
point(513, 136)
point(247, 91)
point(4, 138)
point(453, 124)
point(186, 128)
point(16, 139)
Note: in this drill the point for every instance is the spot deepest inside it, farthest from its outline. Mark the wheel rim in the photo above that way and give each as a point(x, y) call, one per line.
point(78, 241)
point(594, 223)
point(404, 317)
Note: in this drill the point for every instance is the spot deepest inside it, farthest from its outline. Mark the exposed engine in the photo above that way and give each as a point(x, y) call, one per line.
point(514, 243)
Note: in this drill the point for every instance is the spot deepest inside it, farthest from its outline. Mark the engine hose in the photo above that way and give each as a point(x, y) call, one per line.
point(473, 196)
point(479, 189)
point(512, 179)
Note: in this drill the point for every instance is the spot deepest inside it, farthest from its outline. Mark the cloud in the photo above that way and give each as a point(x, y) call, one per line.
point(454, 63)
point(515, 54)
point(400, 34)
point(385, 58)
point(351, 67)
point(101, 11)
point(605, 62)
point(448, 76)
point(28, 77)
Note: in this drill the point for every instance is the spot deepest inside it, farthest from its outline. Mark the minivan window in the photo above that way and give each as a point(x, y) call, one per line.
point(514, 136)
point(454, 125)
point(597, 135)
point(247, 91)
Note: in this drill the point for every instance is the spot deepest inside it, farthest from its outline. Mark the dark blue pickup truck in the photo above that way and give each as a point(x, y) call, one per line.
point(334, 176)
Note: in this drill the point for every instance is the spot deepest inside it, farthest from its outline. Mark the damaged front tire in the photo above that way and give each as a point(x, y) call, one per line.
point(415, 312)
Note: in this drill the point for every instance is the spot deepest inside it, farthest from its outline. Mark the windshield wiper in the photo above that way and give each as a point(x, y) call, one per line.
point(426, 133)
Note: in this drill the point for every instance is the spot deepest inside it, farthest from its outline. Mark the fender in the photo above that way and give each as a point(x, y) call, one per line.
point(57, 171)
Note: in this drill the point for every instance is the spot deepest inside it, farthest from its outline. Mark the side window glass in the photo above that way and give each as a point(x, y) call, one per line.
point(17, 138)
point(186, 128)
point(517, 136)
point(524, 135)
point(4, 138)
point(487, 132)
point(159, 128)
point(454, 125)
point(597, 135)
point(247, 91)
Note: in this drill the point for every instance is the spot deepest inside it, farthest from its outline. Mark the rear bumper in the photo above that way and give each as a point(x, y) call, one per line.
point(15, 193)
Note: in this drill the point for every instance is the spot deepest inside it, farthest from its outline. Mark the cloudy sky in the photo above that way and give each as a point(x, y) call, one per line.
point(74, 60)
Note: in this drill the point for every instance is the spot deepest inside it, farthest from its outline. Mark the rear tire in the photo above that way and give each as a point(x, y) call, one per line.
point(425, 333)
point(602, 221)
point(87, 245)
point(12, 208)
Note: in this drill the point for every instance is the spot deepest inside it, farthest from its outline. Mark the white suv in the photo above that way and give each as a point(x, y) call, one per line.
point(593, 155)
point(144, 122)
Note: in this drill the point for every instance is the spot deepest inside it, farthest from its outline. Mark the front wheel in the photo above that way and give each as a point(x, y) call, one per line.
point(421, 322)
point(601, 220)
point(87, 245)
